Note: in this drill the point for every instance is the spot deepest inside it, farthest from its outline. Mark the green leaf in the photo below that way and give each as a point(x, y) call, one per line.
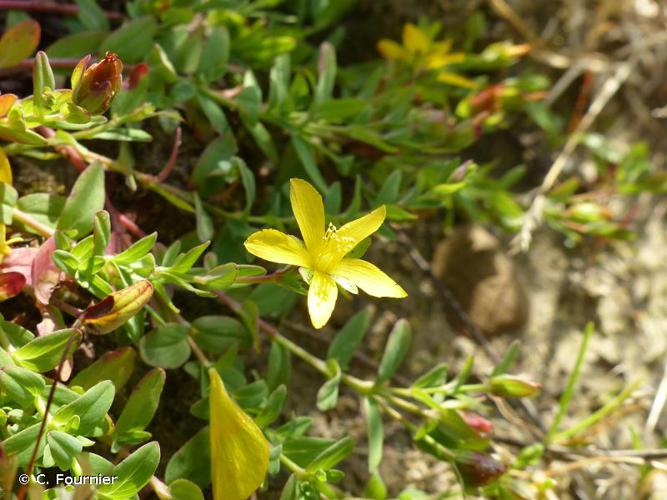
point(133, 473)
point(92, 16)
point(396, 350)
point(116, 366)
point(21, 385)
point(192, 461)
point(43, 207)
point(22, 444)
point(139, 409)
point(165, 347)
point(279, 366)
point(216, 334)
point(248, 180)
point(84, 201)
point(273, 407)
point(390, 189)
point(332, 455)
point(375, 434)
point(214, 113)
point(435, 377)
point(76, 45)
point(182, 489)
point(184, 262)
point(42, 78)
point(89, 409)
point(136, 251)
point(348, 339)
point(64, 448)
point(205, 229)
point(215, 54)
point(43, 353)
point(16, 335)
point(8, 199)
point(132, 41)
point(327, 396)
point(305, 154)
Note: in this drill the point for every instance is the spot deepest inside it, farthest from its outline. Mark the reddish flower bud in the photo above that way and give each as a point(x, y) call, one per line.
point(479, 469)
point(477, 422)
point(94, 87)
point(136, 75)
point(11, 285)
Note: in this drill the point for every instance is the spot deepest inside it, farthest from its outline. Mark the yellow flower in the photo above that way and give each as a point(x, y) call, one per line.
point(322, 259)
point(423, 53)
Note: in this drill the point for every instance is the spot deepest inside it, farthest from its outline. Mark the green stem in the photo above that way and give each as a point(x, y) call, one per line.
point(595, 417)
point(566, 398)
point(29, 221)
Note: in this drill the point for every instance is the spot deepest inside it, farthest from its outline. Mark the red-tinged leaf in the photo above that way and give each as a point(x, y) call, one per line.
point(11, 285)
point(45, 274)
point(6, 103)
point(19, 42)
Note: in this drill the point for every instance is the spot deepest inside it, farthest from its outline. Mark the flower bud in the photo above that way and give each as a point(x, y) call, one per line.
point(478, 469)
point(477, 422)
point(510, 386)
point(94, 87)
point(11, 284)
point(116, 309)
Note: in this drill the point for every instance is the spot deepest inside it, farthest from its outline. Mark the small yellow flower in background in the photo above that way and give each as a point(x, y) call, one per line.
point(322, 259)
point(422, 52)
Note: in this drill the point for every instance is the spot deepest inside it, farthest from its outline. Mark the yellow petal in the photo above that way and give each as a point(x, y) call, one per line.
point(5, 168)
point(309, 212)
point(414, 39)
point(440, 60)
point(369, 278)
point(239, 450)
point(456, 80)
point(322, 296)
point(275, 246)
point(393, 51)
point(361, 228)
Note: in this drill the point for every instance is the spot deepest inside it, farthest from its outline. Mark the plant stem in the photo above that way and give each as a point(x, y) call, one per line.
point(77, 327)
point(32, 223)
point(51, 7)
point(572, 380)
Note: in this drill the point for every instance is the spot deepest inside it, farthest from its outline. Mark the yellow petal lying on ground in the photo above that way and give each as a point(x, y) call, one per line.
point(308, 209)
point(322, 296)
point(239, 450)
point(274, 246)
point(369, 278)
point(5, 168)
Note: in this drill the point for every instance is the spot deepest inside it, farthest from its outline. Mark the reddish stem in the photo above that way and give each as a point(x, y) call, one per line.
point(166, 171)
point(264, 278)
point(51, 7)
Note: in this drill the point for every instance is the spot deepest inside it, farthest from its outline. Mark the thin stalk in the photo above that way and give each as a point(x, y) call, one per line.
point(32, 223)
point(56, 379)
point(566, 398)
point(595, 417)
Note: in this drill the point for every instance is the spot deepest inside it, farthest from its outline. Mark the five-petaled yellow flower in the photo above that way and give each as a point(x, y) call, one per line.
point(322, 259)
